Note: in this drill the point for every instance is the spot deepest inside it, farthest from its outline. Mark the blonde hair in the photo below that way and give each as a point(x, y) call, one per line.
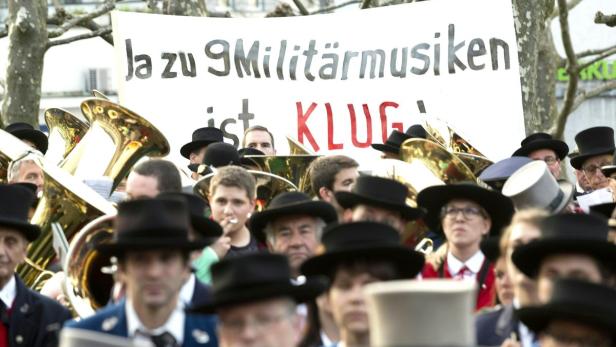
point(532, 216)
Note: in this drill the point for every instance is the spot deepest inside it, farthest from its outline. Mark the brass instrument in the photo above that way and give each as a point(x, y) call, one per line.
point(293, 168)
point(87, 286)
point(65, 131)
point(268, 186)
point(296, 148)
point(441, 133)
point(98, 94)
point(131, 135)
point(11, 149)
point(68, 202)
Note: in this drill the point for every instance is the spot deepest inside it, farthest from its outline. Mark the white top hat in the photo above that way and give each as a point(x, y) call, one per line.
point(533, 186)
point(424, 313)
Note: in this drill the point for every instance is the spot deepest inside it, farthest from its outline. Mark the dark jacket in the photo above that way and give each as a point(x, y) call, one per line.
point(494, 326)
point(35, 320)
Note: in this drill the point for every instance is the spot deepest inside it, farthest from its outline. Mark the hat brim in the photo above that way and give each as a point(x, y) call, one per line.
point(578, 160)
point(538, 318)
point(206, 228)
point(499, 207)
point(608, 170)
point(559, 147)
point(191, 146)
point(122, 246)
point(320, 209)
point(568, 190)
point(528, 258)
point(30, 231)
point(350, 200)
point(408, 262)
point(300, 293)
point(38, 138)
point(383, 147)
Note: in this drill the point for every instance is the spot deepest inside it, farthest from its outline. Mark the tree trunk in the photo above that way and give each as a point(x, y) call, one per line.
point(28, 39)
point(195, 8)
point(531, 27)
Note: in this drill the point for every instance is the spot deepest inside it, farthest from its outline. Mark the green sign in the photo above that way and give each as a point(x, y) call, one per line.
point(600, 71)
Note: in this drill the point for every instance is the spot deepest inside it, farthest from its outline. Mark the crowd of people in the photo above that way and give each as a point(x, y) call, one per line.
point(238, 264)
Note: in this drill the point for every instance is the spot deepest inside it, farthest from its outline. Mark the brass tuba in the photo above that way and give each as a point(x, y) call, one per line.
point(65, 131)
point(87, 286)
point(441, 133)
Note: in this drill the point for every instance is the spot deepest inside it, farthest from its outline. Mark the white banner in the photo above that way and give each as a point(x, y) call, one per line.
point(335, 82)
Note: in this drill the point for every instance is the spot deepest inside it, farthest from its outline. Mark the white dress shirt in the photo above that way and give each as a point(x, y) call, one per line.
point(474, 263)
point(174, 325)
point(8, 293)
point(188, 290)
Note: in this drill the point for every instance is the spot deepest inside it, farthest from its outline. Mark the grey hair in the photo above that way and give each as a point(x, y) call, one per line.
point(271, 236)
point(32, 156)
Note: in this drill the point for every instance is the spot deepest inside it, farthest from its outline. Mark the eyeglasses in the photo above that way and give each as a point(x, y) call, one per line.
point(550, 160)
point(258, 322)
point(467, 212)
point(591, 169)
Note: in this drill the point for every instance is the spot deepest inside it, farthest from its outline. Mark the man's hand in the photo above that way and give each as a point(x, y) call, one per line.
point(222, 246)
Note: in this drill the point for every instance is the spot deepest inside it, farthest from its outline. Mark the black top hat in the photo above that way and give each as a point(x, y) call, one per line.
point(348, 241)
point(416, 132)
point(15, 203)
point(498, 206)
point(291, 203)
point(604, 210)
point(537, 141)
point(379, 192)
point(151, 224)
point(25, 131)
point(221, 154)
point(201, 138)
point(567, 233)
point(248, 161)
point(198, 209)
point(592, 142)
point(608, 170)
point(496, 174)
point(577, 301)
point(255, 277)
point(393, 143)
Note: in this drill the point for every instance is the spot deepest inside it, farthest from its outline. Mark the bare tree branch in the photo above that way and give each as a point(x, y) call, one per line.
point(600, 57)
point(332, 8)
point(365, 4)
point(590, 52)
point(585, 95)
point(609, 20)
point(88, 35)
point(73, 22)
point(300, 6)
point(570, 6)
point(572, 69)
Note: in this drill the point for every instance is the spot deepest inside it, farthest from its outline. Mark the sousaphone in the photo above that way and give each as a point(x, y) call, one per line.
point(65, 132)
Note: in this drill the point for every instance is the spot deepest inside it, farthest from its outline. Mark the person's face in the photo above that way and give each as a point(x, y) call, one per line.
point(346, 301)
point(231, 205)
point(524, 288)
point(363, 212)
point(345, 179)
point(153, 278)
point(576, 266)
point(550, 158)
point(196, 157)
point(562, 333)
point(504, 288)
point(592, 170)
point(267, 323)
point(296, 237)
point(464, 229)
point(13, 247)
point(582, 180)
point(29, 172)
point(139, 186)
point(261, 140)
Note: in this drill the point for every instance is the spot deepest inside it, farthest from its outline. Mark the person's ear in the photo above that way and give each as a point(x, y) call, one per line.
point(326, 194)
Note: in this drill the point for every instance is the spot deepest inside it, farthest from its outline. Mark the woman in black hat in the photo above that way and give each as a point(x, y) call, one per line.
point(356, 254)
point(465, 213)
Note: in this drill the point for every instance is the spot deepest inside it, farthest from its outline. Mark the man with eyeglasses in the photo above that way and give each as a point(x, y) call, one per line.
point(541, 146)
point(465, 213)
point(596, 149)
point(256, 303)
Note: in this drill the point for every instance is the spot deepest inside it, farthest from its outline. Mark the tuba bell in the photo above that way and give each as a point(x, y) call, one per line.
point(65, 131)
point(87, 286)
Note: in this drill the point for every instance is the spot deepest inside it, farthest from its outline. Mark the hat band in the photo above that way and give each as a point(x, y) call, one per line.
point(556, 201)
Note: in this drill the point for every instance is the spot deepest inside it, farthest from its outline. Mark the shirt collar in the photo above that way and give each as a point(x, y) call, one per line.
point(473, 264)
point(188, 290)
point(174, 324)
point(8, 293)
